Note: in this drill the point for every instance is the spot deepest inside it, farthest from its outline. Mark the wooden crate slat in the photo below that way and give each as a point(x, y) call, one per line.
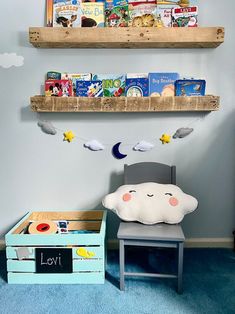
point(68, 215)
point(54, 239)
point(75, 278)
point(28, 266)
point(124, 104)
point(97, 250)
point(126, 37)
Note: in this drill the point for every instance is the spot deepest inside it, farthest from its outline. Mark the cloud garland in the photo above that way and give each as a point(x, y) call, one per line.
point(8, 60)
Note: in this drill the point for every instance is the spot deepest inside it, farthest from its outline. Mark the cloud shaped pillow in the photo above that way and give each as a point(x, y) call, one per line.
point(150, 203)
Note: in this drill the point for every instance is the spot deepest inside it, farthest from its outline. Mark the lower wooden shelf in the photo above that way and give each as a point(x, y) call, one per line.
point(124, 104)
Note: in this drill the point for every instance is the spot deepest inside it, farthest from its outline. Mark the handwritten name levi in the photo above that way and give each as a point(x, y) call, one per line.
point(55, 261)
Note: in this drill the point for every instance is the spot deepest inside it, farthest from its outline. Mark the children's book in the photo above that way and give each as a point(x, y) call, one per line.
point(143, 13)
point(190, 87)
point(113, 84)
point(49, 13)
point(58, 88)
point(137, 85)
point(165, 9)
point(163, 16)
point(116, 13)
point(66, 13)
point(92, 14)
point(162, 84)
point(52, 75)
point(185, 17)
point(74, 77)
point(89, 89)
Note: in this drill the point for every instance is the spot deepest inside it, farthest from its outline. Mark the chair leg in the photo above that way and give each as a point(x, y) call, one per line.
point(122, 264)
point(180, 266)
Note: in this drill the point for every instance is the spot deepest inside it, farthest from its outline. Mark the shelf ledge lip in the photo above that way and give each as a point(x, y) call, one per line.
point(126, 37)
point(125, 104)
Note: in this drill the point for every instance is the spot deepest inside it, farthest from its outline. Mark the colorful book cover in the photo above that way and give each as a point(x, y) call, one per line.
point(185, 17)
point(52, 75)
point(92, 14)
point(74, 77)
point(162, 84)
point(178, 4)
point(190, 87)
point(58, 88)
point(89, 89)
point(137, 87)
point(49, 13)
point(116, 13)
point(142, 13)
point(66, 13)
point(164, 10)
point(113, 84)
point(163, 16)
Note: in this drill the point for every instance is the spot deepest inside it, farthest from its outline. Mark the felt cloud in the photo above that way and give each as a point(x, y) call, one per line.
point(150, 203)
point(143, 146)
point(47, 127)
point(94, 145)
point(182, 132)
point(8, 60)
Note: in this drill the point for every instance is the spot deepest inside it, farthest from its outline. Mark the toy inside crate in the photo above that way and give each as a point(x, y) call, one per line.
point(77, 256)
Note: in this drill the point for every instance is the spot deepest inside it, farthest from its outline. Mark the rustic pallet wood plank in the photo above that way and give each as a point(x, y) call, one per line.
point(28, 266)
point(126, 37)
point(97, 250)
point(124, 104)
point(68, 215)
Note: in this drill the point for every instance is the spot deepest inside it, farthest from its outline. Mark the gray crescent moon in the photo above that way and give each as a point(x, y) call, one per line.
point(116, 153)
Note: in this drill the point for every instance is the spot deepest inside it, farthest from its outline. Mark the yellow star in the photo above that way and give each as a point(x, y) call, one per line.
point(68, 136)
point(166, 138)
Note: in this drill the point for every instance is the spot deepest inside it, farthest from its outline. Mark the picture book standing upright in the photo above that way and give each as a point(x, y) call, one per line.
point(67, 13)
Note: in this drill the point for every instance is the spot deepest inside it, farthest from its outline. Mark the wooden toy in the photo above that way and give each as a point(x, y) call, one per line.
point(53, 258)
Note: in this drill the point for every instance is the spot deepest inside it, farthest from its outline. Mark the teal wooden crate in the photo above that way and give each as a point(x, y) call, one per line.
point(87, 250)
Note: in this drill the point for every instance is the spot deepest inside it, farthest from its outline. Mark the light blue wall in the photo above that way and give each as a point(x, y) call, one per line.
point(39, 172)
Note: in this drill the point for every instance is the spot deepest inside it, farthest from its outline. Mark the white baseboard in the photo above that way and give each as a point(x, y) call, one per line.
point(190, 243)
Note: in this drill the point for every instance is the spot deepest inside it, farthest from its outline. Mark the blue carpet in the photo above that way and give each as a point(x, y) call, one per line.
point(209, 287)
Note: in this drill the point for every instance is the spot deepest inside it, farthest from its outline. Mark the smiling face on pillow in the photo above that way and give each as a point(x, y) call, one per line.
point(150, 203)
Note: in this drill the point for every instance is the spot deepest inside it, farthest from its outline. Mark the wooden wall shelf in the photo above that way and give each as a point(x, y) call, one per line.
point(126, 37)
point(124, 104)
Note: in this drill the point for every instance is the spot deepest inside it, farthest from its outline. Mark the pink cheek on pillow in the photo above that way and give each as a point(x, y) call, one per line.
point(126, 197)
point(173, 201)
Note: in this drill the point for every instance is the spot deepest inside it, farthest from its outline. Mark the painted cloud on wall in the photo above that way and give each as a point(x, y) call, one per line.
point(8, 60)
point(150, 203)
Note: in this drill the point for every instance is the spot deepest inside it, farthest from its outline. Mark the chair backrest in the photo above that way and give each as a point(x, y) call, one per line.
point(149, 172)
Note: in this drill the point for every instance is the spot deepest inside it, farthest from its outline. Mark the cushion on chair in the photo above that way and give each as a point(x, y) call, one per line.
point(150, 203)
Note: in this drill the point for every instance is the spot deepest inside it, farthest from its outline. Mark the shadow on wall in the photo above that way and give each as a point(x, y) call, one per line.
point(209, 174)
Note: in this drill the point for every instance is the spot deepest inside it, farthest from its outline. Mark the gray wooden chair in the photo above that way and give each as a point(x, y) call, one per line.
point(159, 235)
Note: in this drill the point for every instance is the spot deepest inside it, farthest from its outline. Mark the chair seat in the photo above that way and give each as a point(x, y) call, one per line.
point(157, 232)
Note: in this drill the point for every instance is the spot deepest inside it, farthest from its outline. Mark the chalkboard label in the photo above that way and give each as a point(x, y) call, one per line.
point(57, 260)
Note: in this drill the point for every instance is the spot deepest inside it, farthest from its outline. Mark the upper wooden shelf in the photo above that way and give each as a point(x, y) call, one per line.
point(126, 37)
point(124, 104)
